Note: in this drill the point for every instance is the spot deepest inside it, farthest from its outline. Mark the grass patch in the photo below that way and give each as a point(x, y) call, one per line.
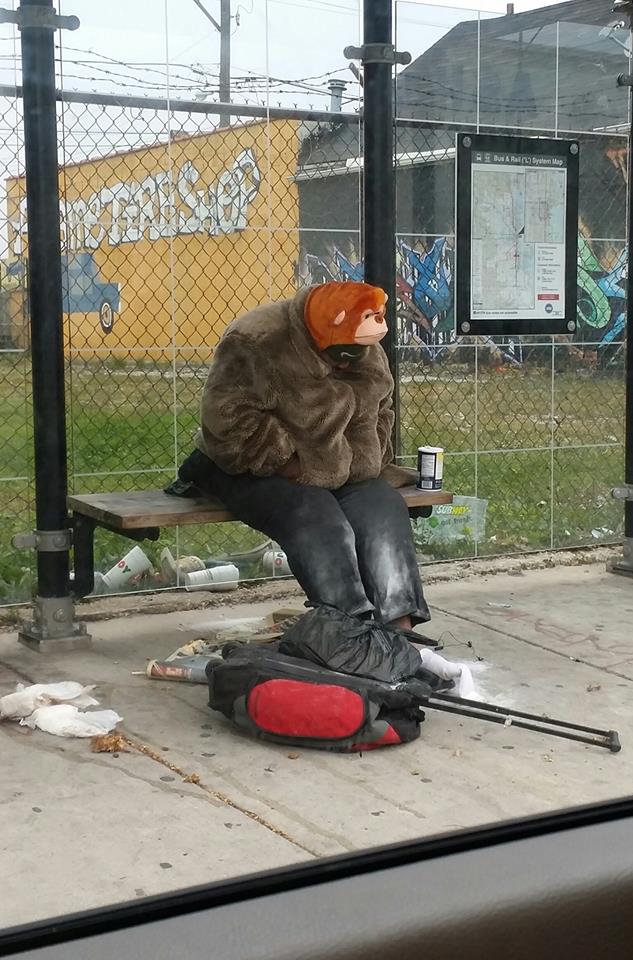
point(123, 423)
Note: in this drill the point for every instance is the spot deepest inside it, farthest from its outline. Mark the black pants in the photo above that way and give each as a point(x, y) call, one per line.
point(350, 548)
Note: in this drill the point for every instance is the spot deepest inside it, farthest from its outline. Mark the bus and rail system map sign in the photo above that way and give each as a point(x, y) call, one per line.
point(516, 235)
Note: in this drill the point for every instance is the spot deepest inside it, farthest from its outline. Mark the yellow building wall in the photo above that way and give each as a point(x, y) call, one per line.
point(179, 239)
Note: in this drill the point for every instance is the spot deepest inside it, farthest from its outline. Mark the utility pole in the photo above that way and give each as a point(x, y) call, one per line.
point(224, 29)
point(225, 57)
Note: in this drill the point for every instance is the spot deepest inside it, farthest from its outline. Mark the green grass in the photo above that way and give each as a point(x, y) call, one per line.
point(537, 497)
point(122, 421)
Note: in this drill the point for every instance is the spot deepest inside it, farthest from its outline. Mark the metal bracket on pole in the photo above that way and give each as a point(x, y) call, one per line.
point(43, 17)
point(44, 541)
point(53, 624)
point(623, 493)
point(377, 53)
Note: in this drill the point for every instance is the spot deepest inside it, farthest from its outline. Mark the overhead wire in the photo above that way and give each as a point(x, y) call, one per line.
point(251, 82)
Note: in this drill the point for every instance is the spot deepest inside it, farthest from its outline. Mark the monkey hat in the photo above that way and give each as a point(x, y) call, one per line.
point(344, 318)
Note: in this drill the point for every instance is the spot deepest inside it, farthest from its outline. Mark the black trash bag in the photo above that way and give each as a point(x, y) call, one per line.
point(333, 639)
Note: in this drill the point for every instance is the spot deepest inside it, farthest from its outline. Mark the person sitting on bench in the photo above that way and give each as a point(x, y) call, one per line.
point(295, 439)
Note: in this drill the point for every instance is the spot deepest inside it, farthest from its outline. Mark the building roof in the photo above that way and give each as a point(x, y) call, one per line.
point(523, 60)
point(555, 67)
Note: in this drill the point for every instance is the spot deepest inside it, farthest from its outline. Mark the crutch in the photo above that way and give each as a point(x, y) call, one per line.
point(507, 716)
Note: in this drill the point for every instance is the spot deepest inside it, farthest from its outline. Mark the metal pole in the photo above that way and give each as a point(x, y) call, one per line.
point(193, 106)
point(45, 295)
point(225, 57)
point(628, 419)
point(54, 615)
point(379, 188)
point(628, 435)
point(625, 564)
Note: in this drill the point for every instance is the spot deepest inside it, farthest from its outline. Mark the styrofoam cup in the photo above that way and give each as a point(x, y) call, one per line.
point(131, 565)
point(275, 563)
point(225, 577)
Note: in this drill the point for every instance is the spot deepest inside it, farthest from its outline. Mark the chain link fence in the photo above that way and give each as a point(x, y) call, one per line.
point(533, 428)
point(16, 431)
point(174, 221)
point(171, 226)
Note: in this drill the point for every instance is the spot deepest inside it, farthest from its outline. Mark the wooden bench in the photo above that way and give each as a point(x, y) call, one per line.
point(139, 515)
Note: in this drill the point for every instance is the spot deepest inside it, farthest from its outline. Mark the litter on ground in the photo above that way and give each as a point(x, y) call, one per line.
point(25, 700)
point(56, 708)
point(65, 720)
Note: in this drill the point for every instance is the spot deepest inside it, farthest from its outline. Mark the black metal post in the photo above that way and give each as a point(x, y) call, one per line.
point(625, 565)
point(379, 188)
point(628, 428)
point(45, 296)
point(53, 607)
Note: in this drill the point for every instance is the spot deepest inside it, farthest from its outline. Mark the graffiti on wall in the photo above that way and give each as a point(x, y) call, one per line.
point(84, 290)
point(424, 287)
point(424, 290)
point(164, 204)
point(601, 294)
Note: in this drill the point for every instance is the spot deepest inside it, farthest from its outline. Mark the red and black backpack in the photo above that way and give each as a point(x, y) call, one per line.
point(333, 682)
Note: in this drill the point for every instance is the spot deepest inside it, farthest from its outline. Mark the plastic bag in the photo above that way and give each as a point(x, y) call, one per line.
point(65, 720)
point(462, 520)
point(25, 700)
point(364, 648)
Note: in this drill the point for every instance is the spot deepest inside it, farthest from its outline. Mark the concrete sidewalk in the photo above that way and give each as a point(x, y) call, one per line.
point(80, 830)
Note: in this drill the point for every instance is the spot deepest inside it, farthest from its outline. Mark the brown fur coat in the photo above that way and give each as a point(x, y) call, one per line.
point(270, 395)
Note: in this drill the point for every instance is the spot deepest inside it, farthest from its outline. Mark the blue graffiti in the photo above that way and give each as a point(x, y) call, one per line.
point(424, 289)
point(423, 280)
point(601, 294)
point(348, 270)
point(614, 285)
point(430, 276)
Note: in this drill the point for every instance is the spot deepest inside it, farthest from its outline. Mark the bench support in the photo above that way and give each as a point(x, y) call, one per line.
point(84, 556)
point(53, 626)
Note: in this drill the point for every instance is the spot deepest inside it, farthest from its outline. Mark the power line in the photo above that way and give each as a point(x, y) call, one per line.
point(247, 84)
point(153, 65)
point(319, 4)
